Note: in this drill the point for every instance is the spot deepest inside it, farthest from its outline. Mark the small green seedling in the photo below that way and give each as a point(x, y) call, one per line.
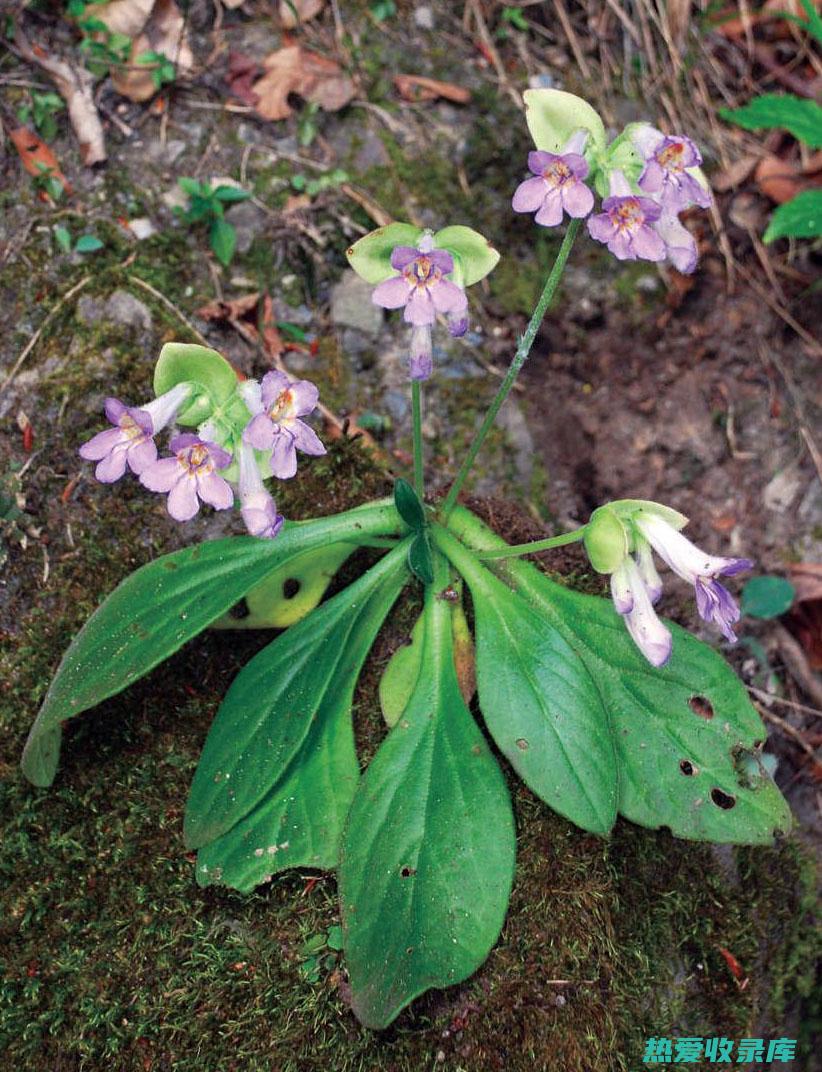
point(42, 112)
point(86, 243)
point(207, 206)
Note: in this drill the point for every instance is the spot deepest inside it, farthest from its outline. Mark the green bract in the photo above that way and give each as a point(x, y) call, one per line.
point(553, 116)
point(606, 540)
point(474, 256)
point(215, 379)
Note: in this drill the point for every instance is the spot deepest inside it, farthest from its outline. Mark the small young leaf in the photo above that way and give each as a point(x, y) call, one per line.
point(370, 257)
point(420, 560)
point(767, 597)
point(88, 244)
point(428, 850)
point(800, 116)
point(193, 187)
point(801, 217)
point(231, 194)
point(63, 239)
point(409, 505)
point(335, 937)
point(223, 239)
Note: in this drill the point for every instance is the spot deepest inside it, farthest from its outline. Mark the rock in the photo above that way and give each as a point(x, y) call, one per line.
point(166, 154)
point(248, 220)
point(521, 442)
point(359, 346)
point(89, 310)
point(782, 489)
point(424, 17)
point(397, 404)
point(142, 228)
point(175, 197)
point(351, 305)
point(123, 308)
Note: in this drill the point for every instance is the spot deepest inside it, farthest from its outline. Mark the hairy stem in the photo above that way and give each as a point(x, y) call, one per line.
point(523, 350)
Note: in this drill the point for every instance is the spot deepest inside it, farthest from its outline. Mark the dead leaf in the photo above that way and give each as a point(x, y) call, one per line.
point(231, 4)
point(242, 72)
point(735, 174)
point(76, 86)
point(806, 577)
point(235, 309)
point(416, 88)
point(311, 76)
point(36, 157)
point(154, 26)
point(778, 179)
point(296, 203)
point(293, 12)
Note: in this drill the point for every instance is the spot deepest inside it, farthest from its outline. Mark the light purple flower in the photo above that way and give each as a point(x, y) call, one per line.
point(258, 509)
point(665, 174)
point(278, 403)
point(680, 244)
point(131, 441)
point(190, 476)
point(558, 186)
point(626, 224)
point(713, 601)
point(633, 601)
point(421, 287)
point(420, 361)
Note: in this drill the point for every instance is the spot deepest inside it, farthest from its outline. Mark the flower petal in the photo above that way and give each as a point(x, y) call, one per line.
point(259, 432)
point(162, 475)
point(306, 439)
point(141, 455)
point(102, 444)
point(215, 491)
point(448, 297)
point(420, 308)
point(283, 456)
point(182, 501)
point(529, 195)
point(551, 212)
point(112, 467)
point(402, 256)
point(305, 395)
point(392, 293)
point(577, 200)
point(272, 386)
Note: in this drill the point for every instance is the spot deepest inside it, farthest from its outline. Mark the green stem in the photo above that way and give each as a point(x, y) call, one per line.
point(416, 403)
point(523, 350)
point(536, 545)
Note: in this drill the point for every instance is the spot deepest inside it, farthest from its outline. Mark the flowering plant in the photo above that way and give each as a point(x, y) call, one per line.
point(600, 707)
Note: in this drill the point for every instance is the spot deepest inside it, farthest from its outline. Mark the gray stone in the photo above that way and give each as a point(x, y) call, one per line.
point(424, 17)
point(397, 404)
point(89, 310)
point(248, 221)
point(166, 154)
point(352, 307)
point(359, 346)
point(521, 442)
point(123, 308)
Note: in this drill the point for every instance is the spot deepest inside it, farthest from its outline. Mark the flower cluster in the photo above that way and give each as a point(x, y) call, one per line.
point(620, 539)
point(252, 436)
point(646, 177)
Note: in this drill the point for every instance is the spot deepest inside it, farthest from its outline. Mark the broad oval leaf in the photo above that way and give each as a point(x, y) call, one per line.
point(553, 115)
point(291, 591)
point(474, 255)
point(801, 217)
point(539, 700)
point(159, 607)
point(419, 558)
point(276, 700)
point(304, 796)
point(428, 851)
point(188, 363)
point(684, 733)
point(409, 506)
point(223, 240)
point(370, 257)
point(802, 117)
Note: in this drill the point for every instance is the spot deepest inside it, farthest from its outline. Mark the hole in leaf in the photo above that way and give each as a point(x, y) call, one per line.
point(407, 872)
point(701, 705)
point(687, 767)
point(722, 800)
point(291, 587)
point(239, 611)
point(522, 744)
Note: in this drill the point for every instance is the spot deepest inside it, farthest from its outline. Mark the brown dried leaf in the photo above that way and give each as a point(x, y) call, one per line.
point(296, 70)
point(304, 10)
point(778, 179)
point(806, 577)
point(242, 72)
point(235, 309)
point(735, 174)
point(415, 88)
point(36, 157)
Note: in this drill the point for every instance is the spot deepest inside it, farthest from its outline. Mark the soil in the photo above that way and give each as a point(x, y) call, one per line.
point(694, 392)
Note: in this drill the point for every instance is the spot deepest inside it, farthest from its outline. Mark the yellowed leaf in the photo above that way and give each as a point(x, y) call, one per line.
point(293, 12)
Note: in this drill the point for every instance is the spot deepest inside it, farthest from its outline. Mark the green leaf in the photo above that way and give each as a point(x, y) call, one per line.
point(370, 257)
point(278, 769)
point(428, 850)
point(63, 239)
point(474, 256)
point(290, 592)
point(223, 240)
point(539, 700)
point(681, 732)
point(88, 244)
point(231, 194)
point(399, 679)
point(161, 606)
point(553, 115)
point(409, 505)
point(420, 560)
point(767, 597)
point(193, 187)
point(802, 117)
point(188, 363)
point(801, 217)
point(335, 938)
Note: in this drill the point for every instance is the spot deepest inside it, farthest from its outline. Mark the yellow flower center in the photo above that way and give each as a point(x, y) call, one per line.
point(422, 273)
point(628, 214)
point(557, 173)
point(672, 157)
point(282, 405)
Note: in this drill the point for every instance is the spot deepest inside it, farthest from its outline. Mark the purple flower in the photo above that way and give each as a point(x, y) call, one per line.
point(131, 441)
point(421, 287)
point(680, 244)
point(713, 601)
point(559, 185)
point(626, 224)
point(278, 403)
point(258, 509)
point(667, 159)
point(634, 602)
point(420, 361)
point(190, 476)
